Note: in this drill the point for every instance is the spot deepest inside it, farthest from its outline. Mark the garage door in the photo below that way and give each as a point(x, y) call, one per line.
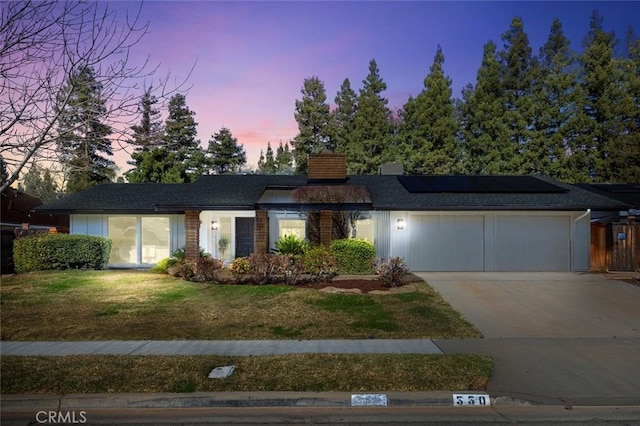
point(490, 242)
point(447, 242)
point(532, 243)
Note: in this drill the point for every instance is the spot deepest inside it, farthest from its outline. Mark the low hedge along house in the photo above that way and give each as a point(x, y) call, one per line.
point(436, 223)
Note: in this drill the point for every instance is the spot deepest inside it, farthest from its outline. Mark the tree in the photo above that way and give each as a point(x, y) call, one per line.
point(267, 164)
point(39, 183)
point(344, 116)
point(315, 128)
point(180, 131)
point(4, 174)
point(486, 137)
point(149, 132)
point(428, 127)
point(83, 138)
point(373, 127)
point(43, 44)
point(224, 155)
point(284, 160)
point(556, 101)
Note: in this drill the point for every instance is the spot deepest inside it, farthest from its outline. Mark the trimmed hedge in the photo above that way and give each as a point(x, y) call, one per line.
point(61, 251)
point(354, 256)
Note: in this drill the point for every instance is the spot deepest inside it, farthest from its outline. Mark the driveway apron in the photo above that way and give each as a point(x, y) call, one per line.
point(559, 338)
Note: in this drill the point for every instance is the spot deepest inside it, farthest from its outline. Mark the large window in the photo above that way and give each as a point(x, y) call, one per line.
point(138, 240)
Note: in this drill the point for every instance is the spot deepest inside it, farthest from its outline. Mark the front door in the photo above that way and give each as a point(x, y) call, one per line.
point(244, 236)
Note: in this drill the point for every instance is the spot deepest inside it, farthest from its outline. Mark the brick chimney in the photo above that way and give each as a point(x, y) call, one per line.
point(327, 166)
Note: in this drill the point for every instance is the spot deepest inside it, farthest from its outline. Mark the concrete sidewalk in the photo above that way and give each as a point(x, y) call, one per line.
point(221, 347)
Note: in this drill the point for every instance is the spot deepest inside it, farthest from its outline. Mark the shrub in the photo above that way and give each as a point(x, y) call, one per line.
point(291, 268)
point(391, 271)
point(290, 244)
point(354, 256)
point(179, 254)
point(61, 251)
point(263, 267)
point(163, 265)
point(240, 268)
point(320, 264)
point(207, 269)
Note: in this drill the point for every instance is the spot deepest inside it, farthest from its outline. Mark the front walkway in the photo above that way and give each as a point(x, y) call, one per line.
point(221, 347)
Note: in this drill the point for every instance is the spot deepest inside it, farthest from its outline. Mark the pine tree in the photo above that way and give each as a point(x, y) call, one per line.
point(83, 138)
point(39, 183)
point(486, 138)
point(373, 127)
point(315, 128)
point(604, 104)
point(552, 150)
point(224, 155)
point(517, 80)
point(284, 160)
point(157, 165)
point(149, 132)
point(180, 139)
point(429, 126)
point(344, 116)
point(266, 163)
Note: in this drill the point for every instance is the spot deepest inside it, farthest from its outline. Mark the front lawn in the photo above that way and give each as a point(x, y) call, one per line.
point(133, 305)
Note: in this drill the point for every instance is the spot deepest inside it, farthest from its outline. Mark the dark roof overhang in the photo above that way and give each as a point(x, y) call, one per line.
point(316, 206)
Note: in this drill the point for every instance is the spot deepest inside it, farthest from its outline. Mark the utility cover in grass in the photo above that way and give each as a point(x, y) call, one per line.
point(359, 400)
point(221, 372)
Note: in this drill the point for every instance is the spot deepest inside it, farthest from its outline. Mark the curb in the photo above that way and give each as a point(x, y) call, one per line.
point(72, 402)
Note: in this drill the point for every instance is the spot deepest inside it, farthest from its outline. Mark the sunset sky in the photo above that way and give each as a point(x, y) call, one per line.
point(251, 58)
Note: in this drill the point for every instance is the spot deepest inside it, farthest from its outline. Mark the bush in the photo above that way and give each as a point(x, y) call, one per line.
point(239, 268)
point(264, 267)
point(290, 267)
point(207, 269)
point(320, 264)
point(391, 271)
point(61, 251)
point(290, 244)
point(163, 265)
point(354, 256)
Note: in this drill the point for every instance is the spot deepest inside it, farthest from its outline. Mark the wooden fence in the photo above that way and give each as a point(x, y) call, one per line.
point(615, 247)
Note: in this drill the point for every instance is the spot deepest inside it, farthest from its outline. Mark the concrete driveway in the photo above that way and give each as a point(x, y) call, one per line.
point(544, 304)
point(556, 338)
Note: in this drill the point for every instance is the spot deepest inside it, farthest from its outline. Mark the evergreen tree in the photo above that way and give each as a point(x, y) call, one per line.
point(149, 132)
point(40, 183)
point(373, 127)
point(315, 129)
point(428, 128)
point(284, 160)
point(517, 80)
point(267, 164)
point(83, 138)
point(552, 150)
point(344, 116)
point(224, 155)
point(604, 110)
point(486, 138)
point(156, 165)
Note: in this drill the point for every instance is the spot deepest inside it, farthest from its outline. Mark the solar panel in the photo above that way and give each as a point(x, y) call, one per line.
point(617, 187)
point(478, 184)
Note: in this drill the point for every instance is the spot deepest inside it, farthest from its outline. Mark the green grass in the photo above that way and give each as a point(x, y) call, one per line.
point(307, 372)
point(137, 305)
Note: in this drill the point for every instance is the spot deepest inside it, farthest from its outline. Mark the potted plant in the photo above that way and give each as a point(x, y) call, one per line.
point(223, 244)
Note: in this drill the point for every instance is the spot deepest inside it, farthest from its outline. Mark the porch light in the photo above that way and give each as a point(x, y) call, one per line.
point(214, 225)
point(400, 224)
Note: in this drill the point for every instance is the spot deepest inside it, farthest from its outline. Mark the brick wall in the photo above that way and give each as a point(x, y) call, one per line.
point(327, 165)
point(261, 233)
point(326, 227)
point(192, 235)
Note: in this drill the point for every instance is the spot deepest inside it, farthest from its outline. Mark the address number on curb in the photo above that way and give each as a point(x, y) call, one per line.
point(471, 400)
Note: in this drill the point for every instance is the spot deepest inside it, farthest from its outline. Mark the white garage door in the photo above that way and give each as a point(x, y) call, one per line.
point(446, 242)
point(532, 243)
point(490, 242)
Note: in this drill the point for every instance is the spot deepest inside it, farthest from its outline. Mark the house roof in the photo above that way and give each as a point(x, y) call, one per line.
point(627, 193)
point(243, 192)
point(17, 207)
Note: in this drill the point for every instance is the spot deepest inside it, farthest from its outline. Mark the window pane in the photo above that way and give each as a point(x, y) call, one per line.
point(122, 232)
point(293, 227)
point(364, 229)
point(155, 239)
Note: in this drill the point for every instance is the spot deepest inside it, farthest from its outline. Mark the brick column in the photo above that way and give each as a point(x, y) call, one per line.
point(326, 228)
point(192, 234)
point(261, 233)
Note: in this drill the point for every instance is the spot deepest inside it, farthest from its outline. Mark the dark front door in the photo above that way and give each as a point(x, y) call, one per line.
point(244, 236)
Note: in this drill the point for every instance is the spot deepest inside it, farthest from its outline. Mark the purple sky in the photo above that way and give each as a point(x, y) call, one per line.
point(251, 58)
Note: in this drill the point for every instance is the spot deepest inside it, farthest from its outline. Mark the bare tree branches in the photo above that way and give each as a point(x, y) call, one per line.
point(42, 45)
